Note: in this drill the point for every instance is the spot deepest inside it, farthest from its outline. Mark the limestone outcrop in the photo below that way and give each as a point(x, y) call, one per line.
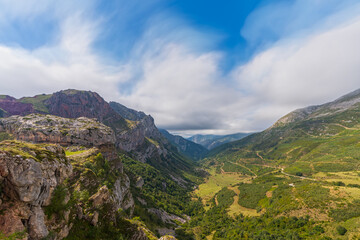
point(38, 128)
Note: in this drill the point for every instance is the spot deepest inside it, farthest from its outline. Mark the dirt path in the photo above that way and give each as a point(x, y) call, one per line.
point(347, 128)
point(245, 168)
point(257, 153)
point(301, 177)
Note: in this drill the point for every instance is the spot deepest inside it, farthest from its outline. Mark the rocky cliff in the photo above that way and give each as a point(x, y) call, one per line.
point(142, 140)
point(37, 201)
point(11, 106)
point(28, 176)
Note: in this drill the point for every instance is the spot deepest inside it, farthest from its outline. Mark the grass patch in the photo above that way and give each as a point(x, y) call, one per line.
point(69, 153)
point(37, 102)
point(38, 152)
point(313, 195)
point(152, 141)
point(215, 182)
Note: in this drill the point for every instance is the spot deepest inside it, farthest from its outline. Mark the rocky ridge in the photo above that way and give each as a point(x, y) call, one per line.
point(344, 103)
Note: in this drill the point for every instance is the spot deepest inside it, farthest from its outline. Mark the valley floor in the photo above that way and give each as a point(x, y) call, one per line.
point(330, 199)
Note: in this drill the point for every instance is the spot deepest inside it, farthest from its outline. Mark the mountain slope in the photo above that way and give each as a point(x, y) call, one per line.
point(308, 140)
point(188, 148)
point(212, 141)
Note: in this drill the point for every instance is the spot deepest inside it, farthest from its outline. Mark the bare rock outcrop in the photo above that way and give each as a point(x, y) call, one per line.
point(165, 216)
point(167, 237)
point(38, 128)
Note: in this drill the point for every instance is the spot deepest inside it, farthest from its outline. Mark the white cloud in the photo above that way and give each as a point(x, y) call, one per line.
point(306, 71)
point(173, 75)
point(67, 63)
point(180, 88)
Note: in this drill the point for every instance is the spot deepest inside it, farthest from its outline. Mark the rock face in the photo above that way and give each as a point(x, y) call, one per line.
point(13, 107)
point(166, 217)
point(51, 129)
point(28, 180)
point(142, 132)
point(122, 195)
point(130, 137)
point(137, 134)
point(32, 175)
point(73, 104)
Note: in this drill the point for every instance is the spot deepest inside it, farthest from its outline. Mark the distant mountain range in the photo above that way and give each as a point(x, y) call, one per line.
point(210, 141)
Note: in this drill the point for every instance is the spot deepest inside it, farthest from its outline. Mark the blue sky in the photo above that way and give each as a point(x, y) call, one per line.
point(196, 66)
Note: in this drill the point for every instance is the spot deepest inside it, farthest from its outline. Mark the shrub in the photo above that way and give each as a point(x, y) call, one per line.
point(341, 230)
point(339, 183)
point(354, 185)
point(57, 205)
point(225, 197)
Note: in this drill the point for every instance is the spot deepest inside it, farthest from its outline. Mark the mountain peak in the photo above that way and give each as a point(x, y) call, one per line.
point(73, 91)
